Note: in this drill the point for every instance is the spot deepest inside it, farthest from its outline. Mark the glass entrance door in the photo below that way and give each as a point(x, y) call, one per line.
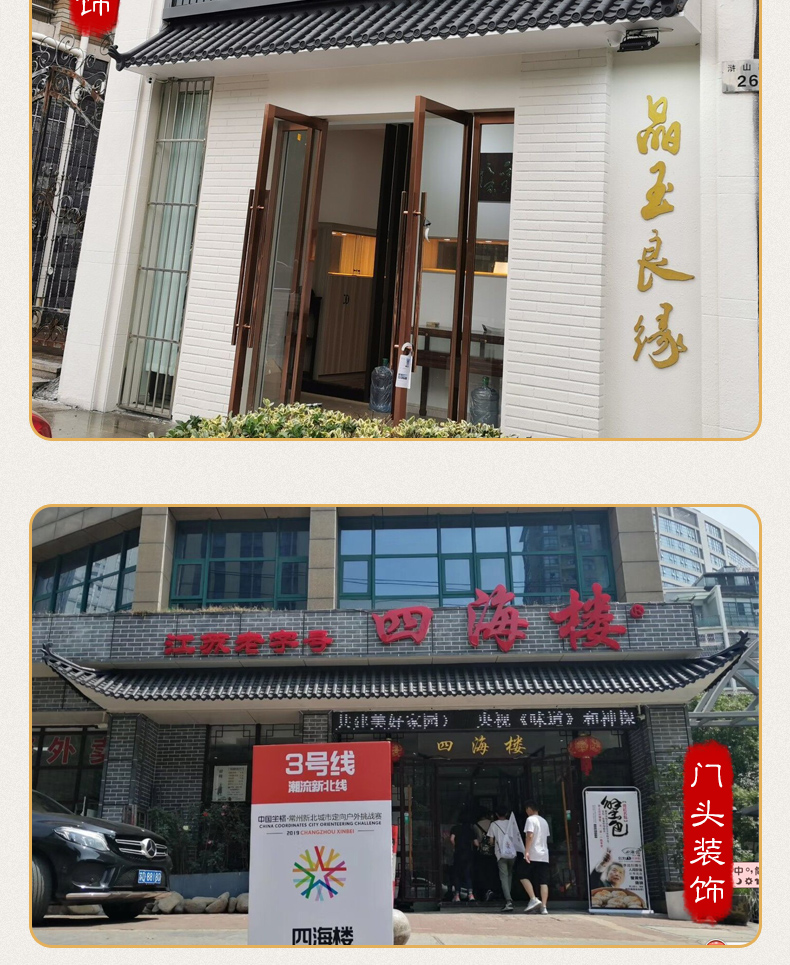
point(553, 783)
point(277, 262)
point(430, 300)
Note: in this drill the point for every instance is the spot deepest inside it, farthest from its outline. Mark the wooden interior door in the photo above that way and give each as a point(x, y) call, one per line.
point(438, 198)
point(277, 261)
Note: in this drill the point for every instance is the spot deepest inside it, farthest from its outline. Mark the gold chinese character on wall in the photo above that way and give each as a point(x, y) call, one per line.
point(650, 264)
point(515, 746)
point(664, 339)
point(479, 745)
point(657, 203)
point(444, 747)
point(657, 135)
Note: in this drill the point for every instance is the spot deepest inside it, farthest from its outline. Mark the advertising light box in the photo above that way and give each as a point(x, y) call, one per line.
point(321, 845)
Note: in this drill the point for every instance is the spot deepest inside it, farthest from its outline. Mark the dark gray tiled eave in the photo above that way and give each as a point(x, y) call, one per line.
point(473, 680)
point(335, 25)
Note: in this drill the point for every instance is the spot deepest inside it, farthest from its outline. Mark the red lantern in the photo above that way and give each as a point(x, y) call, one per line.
point(585, 748)
point(637, 611)
point(397, 751)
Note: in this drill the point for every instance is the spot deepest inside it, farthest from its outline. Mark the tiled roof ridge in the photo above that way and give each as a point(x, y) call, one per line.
point(337, 25)
point(393, 681)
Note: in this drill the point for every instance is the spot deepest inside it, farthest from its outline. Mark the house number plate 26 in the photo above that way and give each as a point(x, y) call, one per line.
point(740, 77)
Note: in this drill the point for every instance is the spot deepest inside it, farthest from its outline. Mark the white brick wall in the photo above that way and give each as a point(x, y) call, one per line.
point(729, 241)
point(232, 147)
point(554, 337)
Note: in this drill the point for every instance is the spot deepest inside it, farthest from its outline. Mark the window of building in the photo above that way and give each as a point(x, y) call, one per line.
point(706, 612)
point(441, 560)
point(95, 579)
point(716, 545)
point(681, 561)
point(680, 546)
point(154, 340)
point(228, 776)
point(741, 548)
point(741, 614)
point(670, 573)
point(685, 516)
point(712, 530)
point(677, 529)
point(718, 562)
point(246, 563)
point(67, 766)
point(738, 560)
point(43, 10)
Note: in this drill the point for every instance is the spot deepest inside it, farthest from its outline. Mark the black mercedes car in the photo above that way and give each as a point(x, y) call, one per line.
point(87, 861)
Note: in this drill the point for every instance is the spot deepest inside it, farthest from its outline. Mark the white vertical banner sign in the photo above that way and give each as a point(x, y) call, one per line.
point(321, 845)
point(617, 879)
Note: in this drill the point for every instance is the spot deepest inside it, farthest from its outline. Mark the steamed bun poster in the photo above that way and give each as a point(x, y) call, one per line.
point(615, 856)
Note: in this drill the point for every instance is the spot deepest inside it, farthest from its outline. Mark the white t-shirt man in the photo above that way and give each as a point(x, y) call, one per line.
point(539, 845)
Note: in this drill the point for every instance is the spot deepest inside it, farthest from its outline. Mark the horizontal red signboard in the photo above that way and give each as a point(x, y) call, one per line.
point(320, 772)
point(584, 625)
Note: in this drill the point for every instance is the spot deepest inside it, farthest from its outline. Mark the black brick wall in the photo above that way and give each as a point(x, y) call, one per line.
point(316, 728)
point(180, 762)
point(152, 765)
point(660, 741)
point(125, 639)
point(53, 693)
point(129, 771)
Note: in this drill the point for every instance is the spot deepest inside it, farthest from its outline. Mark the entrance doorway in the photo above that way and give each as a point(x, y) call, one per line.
point(371, 238)
point(433, 796)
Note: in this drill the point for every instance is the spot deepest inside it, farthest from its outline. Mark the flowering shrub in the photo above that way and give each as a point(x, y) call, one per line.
point(300, 421)
point(202, 840)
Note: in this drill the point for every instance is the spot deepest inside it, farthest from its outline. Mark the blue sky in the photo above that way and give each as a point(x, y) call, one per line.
point(742, 522)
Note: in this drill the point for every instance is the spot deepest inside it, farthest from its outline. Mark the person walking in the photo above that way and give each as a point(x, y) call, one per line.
point(465, 842)
point(534, 870)
point(506, 851)
point(486, 874)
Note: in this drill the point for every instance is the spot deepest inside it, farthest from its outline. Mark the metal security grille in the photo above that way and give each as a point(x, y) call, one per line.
point(156, 324)
point(67, 102)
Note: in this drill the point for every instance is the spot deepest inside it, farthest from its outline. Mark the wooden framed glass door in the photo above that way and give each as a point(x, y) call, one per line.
point(431, 287)
point(277, 261)
point(487, 262)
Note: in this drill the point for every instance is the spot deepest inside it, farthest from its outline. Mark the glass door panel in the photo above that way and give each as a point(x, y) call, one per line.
point(552, 782)
point(278, 261)
point(419, 858)
point(482, 353)
point(432, 283)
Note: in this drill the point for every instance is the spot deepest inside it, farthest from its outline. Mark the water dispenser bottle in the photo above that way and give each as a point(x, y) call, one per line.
point(381, 388)
point(484, 407)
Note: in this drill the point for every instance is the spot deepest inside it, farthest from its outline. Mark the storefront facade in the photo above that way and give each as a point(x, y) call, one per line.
point(311, 187)
point(372, 625)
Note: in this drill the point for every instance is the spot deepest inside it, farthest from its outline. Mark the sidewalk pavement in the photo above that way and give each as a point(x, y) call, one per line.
point(567, 928)
point(70, 423)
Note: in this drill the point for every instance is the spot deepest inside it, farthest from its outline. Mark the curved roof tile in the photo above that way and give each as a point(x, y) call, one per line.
point(336, 25)
point(401, 681)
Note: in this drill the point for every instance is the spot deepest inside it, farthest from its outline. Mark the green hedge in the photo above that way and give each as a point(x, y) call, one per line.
point(299, 421)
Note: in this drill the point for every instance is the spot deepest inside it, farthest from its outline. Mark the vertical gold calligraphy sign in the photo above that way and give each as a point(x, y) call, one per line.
point(658, 136)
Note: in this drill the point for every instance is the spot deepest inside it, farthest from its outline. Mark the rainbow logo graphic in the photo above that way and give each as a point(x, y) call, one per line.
point(319, 877)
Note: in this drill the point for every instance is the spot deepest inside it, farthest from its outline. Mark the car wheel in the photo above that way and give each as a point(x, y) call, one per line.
point(123, 910)
point(41, 889)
